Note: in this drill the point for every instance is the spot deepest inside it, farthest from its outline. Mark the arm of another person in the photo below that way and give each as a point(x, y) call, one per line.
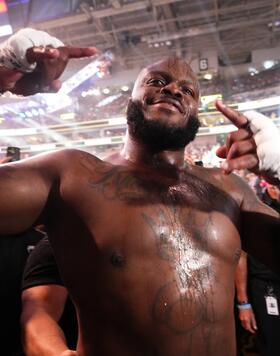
point(246, 315)
point(42, 307)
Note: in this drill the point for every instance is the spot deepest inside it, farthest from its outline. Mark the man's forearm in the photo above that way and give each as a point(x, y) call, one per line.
point(42, 336)
point(241, 279)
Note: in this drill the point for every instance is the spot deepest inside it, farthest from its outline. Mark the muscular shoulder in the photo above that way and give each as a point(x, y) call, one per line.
point(231, 184)
point(62, 160)
point(235, 187)
point(70, 157)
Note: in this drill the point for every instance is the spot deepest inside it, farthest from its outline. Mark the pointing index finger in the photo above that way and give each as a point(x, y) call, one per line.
point(238, 119)
point(78, 52)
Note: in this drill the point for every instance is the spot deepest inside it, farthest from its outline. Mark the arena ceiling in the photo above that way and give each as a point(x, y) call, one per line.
point(138, 31)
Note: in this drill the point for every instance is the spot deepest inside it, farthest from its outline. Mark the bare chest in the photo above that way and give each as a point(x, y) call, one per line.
point(162, 253)
point(122, 207)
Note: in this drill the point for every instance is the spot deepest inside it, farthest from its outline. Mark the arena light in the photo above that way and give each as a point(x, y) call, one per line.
point(125, 88)
point(253, 71)
point(96, 92)
point(208, 76)
point(268, 64)
point(274, 26)
point(67, 116)
point(106, 91)
point(108, 100)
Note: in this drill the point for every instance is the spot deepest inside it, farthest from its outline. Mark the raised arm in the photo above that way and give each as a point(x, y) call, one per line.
point(255, 146)
point(25, 188)
point(32, 61)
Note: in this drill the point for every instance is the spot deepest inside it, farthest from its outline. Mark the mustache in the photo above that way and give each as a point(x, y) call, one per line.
point(167, 99)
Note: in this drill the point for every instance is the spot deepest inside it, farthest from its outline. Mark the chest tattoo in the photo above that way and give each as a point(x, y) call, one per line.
point(182, 242)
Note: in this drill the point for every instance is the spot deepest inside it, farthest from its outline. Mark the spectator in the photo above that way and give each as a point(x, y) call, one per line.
point(260, 311)
point(48, 319)
point(14, 252)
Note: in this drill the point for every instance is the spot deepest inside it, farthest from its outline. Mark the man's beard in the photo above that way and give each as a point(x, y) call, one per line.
point(157, 134)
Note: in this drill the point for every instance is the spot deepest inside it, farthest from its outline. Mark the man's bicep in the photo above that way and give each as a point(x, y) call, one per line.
point(25, 187)
point(47, 299)
point(23, 194)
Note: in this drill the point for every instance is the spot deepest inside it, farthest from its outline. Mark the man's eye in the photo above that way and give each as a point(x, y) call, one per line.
point(188, 91)
point(157, 81)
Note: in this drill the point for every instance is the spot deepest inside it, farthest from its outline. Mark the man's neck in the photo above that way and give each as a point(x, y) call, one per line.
point(140, 154)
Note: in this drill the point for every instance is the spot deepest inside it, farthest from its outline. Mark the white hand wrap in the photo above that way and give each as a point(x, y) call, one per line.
point(267, 138)
point(13, 51)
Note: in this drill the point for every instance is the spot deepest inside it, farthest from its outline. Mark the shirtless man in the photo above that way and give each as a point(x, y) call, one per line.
point(147, 245)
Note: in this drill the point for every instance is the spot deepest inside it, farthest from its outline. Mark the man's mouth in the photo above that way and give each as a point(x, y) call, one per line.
point(170, 104)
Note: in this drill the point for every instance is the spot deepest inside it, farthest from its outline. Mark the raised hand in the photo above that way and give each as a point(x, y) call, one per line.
point(51, 63)
point(32, 61)
point(240, 148)
point(254, 146)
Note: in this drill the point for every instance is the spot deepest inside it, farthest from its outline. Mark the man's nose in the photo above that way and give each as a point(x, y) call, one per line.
point(172, 89)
